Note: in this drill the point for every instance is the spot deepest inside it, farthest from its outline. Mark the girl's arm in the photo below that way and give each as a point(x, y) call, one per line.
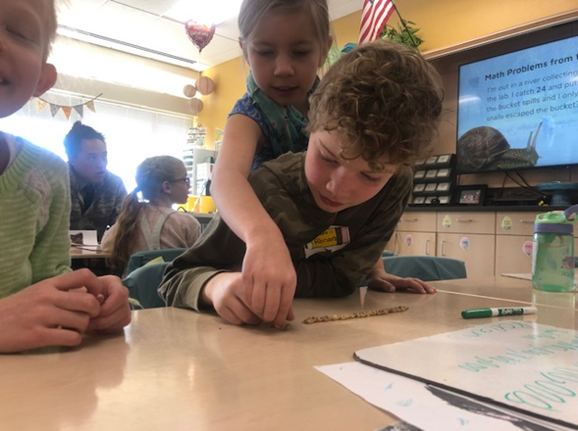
point(267, 265)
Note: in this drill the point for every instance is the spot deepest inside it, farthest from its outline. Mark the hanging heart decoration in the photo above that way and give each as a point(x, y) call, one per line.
point(199, 34)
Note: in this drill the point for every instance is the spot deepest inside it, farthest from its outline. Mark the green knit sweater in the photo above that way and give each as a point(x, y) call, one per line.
point(34, 218)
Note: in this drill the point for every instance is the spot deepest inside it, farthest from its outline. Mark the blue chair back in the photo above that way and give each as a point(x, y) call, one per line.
point(141, 258)
point(426, 268)
point(143, 284)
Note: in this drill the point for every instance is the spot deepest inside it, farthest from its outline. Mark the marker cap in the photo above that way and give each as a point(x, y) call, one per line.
point(481, 312)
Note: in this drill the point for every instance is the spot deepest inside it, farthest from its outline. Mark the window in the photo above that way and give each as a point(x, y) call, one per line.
point(132, 134)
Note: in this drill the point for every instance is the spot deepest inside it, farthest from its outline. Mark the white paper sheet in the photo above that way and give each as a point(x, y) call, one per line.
point(519, 364)
point(89, 239)
point(411, 401)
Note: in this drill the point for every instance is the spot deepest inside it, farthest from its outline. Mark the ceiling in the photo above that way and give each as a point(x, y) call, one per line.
point(142, 27)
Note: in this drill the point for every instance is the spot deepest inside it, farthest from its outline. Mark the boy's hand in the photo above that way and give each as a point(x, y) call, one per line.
point(269, 279)
point(384, 282)
point(225, 292)
point(115, 309)
point(48, 314)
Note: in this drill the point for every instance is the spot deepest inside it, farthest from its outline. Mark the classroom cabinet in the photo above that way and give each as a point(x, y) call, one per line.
point(514, 241)
point(415, 235)
point(489, 242)
point(468, 236)
point(417, 243)
point(476, 250)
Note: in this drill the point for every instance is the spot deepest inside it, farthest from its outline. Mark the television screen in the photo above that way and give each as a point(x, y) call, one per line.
point(519, 110)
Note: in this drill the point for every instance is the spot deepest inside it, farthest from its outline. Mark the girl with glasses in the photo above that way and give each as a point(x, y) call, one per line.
point(148, 221)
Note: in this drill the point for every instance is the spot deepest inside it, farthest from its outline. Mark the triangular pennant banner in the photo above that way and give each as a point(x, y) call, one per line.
point(41, 104)
point(54, 109)
point(67, 111)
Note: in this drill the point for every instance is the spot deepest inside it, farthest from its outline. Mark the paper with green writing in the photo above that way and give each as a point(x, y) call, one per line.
point(529, 367)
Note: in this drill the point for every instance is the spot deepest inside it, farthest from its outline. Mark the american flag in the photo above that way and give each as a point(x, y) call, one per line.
point(375, 15)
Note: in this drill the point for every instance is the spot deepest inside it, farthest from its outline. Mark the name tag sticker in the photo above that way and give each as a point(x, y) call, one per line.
point(333, 239)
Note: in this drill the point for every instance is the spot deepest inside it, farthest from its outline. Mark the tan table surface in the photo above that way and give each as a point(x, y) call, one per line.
point(509, 288)
point(178, 370)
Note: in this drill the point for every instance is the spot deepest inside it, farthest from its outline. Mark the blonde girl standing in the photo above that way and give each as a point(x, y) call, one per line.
point(152, 223)
point(284, 42)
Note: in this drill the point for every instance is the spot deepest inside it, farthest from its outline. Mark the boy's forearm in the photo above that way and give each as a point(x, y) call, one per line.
point(184, 288)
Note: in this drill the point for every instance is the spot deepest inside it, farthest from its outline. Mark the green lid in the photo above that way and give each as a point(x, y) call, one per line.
point(559, 217)
point(552, 217)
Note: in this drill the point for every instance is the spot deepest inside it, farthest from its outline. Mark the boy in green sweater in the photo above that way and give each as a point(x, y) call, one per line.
point(41, 304)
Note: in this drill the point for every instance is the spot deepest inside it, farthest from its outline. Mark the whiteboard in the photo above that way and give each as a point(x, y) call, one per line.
point(524, 366)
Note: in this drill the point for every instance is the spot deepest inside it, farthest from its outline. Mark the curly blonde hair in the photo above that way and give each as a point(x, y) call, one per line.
point(384, 99)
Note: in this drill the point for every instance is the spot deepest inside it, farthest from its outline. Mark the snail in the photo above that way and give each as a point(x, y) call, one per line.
point(485, 148)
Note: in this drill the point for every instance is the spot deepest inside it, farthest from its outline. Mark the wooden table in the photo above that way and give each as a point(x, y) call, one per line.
point(512, 289)
point(175, 369)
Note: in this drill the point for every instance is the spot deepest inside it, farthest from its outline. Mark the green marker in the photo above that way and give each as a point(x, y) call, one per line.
point(492, 312)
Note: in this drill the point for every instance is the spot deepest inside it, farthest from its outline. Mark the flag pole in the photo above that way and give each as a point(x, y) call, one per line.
point(404, 25)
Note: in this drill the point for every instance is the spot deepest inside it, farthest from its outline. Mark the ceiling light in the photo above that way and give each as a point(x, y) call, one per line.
point(129, 48)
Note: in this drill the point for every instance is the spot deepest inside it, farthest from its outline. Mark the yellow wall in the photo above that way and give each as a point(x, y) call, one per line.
point(346, 29)
point(448, 22)
point(442, 23)
point(229, 78)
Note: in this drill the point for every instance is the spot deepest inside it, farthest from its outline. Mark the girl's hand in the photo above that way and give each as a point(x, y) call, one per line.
point(115, 309)
point(52, 312)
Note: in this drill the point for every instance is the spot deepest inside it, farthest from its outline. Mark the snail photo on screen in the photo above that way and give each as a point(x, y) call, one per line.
point(517, 105)
point(486, 149)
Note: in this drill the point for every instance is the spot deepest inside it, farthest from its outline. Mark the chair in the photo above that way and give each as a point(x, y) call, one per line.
point(143, 284)
point(140, 258)
point(426, 268)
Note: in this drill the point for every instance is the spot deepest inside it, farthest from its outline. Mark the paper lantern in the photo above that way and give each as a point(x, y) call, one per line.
point(189, 90)
point(205, 85)
point(195, 106)
point(199, 34)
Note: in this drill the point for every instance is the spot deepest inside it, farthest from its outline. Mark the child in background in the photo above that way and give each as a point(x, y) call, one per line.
point(35, 208)
point(284, 42)
point(153, 224)
point(337, 205)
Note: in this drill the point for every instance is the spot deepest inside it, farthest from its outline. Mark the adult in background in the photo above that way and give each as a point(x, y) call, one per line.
point(96, 194)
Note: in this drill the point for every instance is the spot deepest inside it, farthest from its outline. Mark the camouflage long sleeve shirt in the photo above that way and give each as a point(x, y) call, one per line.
point(332, 253)
point(105, 207)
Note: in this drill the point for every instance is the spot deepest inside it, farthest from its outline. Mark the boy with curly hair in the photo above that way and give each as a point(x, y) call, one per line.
point(337, 205)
